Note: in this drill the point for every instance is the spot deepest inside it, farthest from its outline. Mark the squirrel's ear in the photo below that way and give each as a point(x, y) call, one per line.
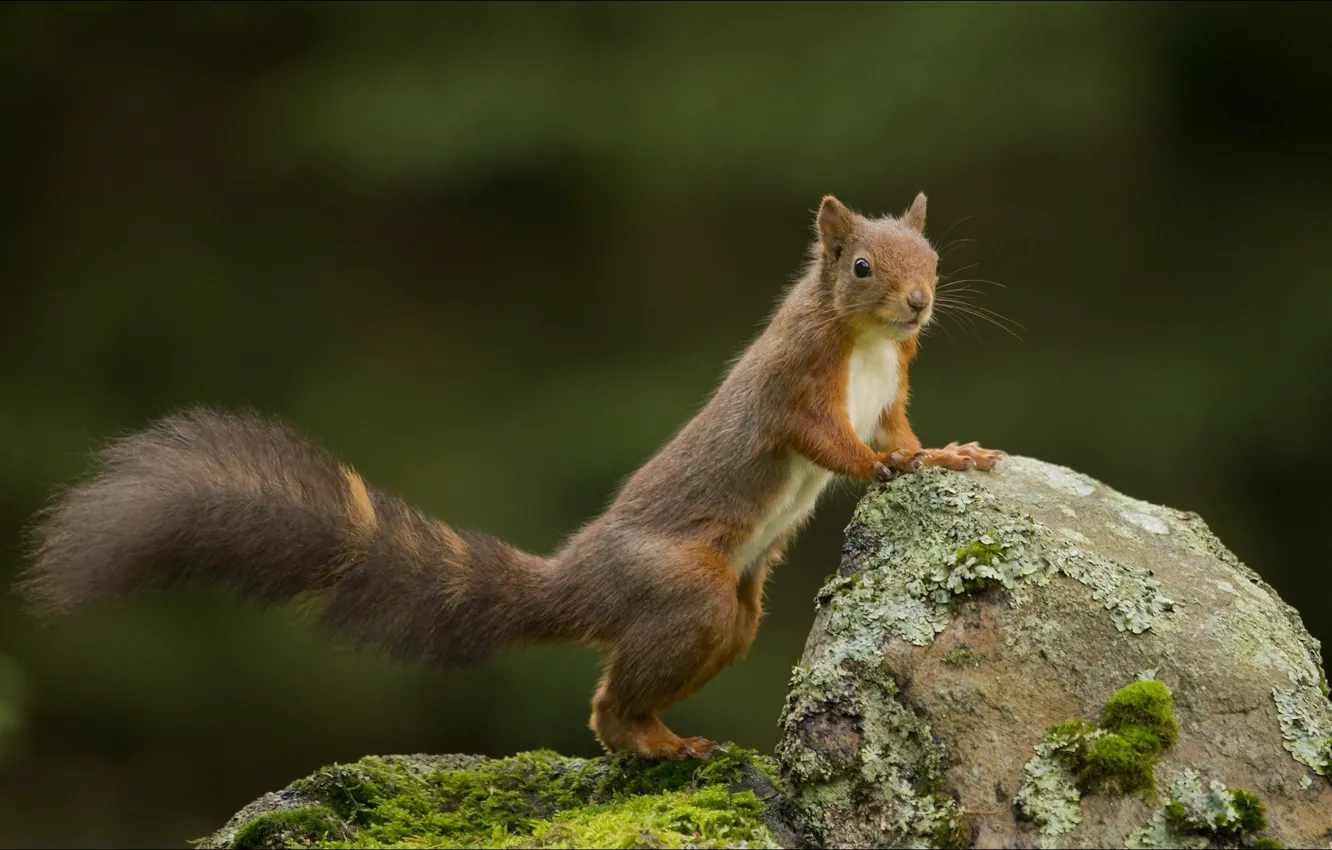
point(914, 218)
point(835, 224)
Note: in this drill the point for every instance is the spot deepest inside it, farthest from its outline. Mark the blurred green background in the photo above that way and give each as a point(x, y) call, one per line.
point(494, 255)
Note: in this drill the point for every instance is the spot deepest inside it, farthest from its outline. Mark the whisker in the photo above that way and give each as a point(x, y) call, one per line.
point(941, 327)
point(955, 292)
point(968, 319)
point(963, 321)
point(974, 280)
point(955, 224)
point(959, 271)
point(997, 315)
point(954, 299)
point(954, 245)
point(986, 315)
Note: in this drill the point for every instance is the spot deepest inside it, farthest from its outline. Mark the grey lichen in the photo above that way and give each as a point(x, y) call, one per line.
point(1216, 809)
point(1158, 833)
point(1196, 816)
point(854, 747)
point(1130, 595)
point(867, 753)
point(908, 576)
point(1049, 795)
point(1306, 723)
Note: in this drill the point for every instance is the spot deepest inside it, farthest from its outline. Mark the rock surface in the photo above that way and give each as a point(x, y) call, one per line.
point(1017, 658)
point(973, 612)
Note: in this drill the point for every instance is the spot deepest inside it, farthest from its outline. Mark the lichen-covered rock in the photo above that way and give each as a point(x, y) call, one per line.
point(1016, 658)
point(534, 799)
point(1025, 657)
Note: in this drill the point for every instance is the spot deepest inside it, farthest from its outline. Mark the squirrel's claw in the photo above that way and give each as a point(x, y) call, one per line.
point(884, 472)
point(898, 462)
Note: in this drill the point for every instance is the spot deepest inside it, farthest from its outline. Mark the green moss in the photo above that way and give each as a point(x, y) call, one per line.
point(1267, 844)
point(1137, 726)
point(1078, 757)
point(962, 656)
point(984, 550)
point(1143, 739)
point(1143, 711)
point(1252, 812)
point(1112, 765)
point(302, 827)
point(707, 818)
point(963, 578)
point(1176, 816)
point(390, 805)
point(536, 799)
point(632, 775)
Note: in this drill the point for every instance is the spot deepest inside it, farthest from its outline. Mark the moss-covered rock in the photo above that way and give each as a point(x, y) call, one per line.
point(1015, 658)
point(534, 799)
point(1029, 657)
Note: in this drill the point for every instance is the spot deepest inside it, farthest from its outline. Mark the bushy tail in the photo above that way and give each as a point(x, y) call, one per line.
point(248, 503)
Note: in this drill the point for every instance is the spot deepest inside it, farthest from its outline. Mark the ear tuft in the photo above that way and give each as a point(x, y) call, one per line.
point(914, 217)
point(835, 222)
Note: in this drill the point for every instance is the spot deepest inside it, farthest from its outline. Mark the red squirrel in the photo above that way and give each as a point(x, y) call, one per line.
point(667, 583)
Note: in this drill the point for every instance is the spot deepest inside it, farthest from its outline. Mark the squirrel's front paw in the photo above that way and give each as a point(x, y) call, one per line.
point(963, 457)
point(897, 462)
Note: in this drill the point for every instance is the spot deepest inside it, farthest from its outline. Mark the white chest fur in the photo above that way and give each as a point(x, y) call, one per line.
point(871, 383)
point(871, 386)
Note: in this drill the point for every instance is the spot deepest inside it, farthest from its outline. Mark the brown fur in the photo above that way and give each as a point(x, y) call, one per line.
point(654, 581)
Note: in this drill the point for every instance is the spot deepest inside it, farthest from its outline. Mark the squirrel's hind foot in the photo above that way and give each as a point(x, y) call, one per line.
point(670, 747)
point(678, 749)
point(693, 748)
point(649, 738)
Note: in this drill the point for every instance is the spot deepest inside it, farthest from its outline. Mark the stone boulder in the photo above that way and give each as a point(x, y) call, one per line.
point(1015, 658)
point(1027, 657)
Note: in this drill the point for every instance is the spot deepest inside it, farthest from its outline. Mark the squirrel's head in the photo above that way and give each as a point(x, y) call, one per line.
point(880, 270)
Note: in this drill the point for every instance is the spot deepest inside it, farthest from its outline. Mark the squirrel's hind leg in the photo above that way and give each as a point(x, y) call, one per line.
point(670, 651)
point(645, 735)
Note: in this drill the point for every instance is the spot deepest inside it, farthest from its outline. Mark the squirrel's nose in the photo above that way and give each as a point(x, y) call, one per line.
point(918, 299)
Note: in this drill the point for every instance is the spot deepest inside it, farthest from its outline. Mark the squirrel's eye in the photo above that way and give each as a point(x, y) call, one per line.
point(862, 267)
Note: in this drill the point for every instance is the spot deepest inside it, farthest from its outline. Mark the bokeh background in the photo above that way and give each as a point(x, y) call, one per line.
point(494, 255)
